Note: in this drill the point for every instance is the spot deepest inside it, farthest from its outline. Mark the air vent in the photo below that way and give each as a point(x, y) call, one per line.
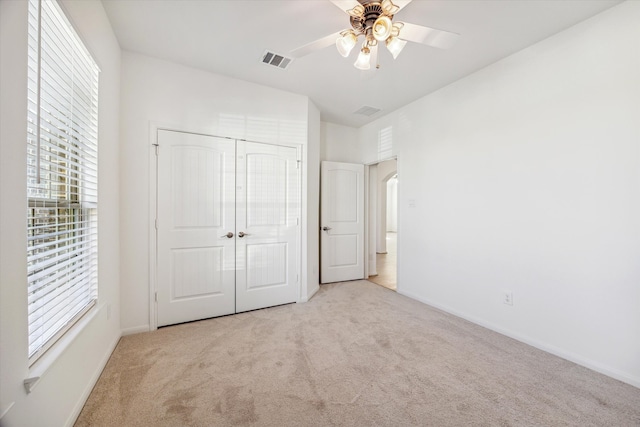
point(276, 60)
point(367, 111)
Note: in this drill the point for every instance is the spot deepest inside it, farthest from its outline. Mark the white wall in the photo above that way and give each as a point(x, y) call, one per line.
point(339, 143)
point(66, 380)
point(525, 176)
point(311, 251)
point(392, 205)
point(386, 170)
point(171, 95)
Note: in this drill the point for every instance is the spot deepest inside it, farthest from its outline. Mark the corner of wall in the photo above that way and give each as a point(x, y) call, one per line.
point(311, 254)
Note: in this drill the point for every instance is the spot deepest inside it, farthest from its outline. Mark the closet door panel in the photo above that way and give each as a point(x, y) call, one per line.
point(268, 224)
point(196, 210)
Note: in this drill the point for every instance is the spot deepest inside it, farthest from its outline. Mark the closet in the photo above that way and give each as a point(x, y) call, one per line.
point(227, 224)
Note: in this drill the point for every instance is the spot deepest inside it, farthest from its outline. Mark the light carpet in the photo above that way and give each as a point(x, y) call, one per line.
point(355, 355)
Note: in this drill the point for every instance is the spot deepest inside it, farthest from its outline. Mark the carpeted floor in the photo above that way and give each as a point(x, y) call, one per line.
point(355, 355)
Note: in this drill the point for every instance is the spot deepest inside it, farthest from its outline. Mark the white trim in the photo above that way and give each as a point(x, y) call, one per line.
point(398, 226)
point(91, 384)
point(300, 153)
point(304, 262)
point(375, 162)
point(6, 410)
point(572, 357)
point(136, 330)
point(308, 297)
point(40, 368)
point(153, 236)
point(365, 245)
point(33, 360)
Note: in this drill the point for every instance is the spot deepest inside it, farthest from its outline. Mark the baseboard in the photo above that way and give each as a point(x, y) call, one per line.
point(94, 379)
point(309, 296)
point(135, 330)
point(587, 363)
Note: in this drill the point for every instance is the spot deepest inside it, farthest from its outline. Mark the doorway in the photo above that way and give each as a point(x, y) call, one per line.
point(383, 223)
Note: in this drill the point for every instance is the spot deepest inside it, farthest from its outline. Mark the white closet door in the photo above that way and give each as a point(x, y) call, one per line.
point(268, 225)
point(196, 211)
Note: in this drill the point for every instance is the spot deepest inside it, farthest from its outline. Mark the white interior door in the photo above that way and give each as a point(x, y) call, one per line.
point(268, 224)
point(196, 211)
point(341, 222)
point(228, 226)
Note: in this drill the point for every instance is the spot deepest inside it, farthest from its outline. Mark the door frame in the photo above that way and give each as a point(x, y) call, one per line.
point(370, 241)
point(154, 128)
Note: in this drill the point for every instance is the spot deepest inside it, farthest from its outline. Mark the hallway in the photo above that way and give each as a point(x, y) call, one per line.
point(386, 265)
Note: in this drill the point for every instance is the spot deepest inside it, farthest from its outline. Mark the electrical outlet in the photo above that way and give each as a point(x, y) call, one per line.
point(507, 297)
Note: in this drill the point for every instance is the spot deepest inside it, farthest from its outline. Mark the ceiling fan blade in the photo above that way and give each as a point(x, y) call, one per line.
point(401, 3)
point(429, 36)
point(345, 5)
point(315, 45)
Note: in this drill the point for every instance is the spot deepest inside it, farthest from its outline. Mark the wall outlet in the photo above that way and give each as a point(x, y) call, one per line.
point(507, 297)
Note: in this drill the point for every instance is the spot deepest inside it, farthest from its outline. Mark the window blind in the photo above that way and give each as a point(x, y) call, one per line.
point(62, 176)
point(385, 143)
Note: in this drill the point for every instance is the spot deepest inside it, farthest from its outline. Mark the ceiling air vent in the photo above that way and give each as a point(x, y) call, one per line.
point(367, 111)
point(276, 60)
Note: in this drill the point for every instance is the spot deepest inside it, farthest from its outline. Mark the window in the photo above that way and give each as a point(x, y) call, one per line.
point(62, 179)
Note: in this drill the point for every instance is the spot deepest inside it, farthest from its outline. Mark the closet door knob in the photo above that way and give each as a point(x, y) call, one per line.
point(229, 235)
point(242, 234)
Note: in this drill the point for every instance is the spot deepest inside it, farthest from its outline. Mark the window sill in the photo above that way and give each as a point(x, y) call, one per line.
point(4, 411)
point(39, 369)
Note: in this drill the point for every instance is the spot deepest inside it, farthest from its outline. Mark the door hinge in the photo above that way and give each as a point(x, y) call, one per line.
point(297, 221)
point(298, 164)
point(297, 280)
point(156, 296)
point(157, 147)
point(156, 223)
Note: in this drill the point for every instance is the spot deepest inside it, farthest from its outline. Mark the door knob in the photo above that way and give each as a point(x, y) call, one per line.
point(242, 234)
point(229, 235)
point(326, 228)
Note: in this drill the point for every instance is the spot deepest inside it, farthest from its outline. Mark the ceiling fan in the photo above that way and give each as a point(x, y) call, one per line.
point(373, 19)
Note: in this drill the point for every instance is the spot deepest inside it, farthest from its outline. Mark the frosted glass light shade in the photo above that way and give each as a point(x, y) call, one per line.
point(364, 59)
point(345, 43)
point(395, 46)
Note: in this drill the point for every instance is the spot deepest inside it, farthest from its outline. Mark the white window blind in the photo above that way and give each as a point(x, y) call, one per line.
point(62, 178)
point(385, 143)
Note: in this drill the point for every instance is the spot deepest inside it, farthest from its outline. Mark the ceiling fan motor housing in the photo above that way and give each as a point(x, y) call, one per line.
point(372, 10)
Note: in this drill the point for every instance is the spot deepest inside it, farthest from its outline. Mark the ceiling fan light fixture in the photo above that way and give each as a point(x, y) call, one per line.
point(395, 30)
point(382, 28)
point(395, 46)
point(364, 59)
point(389, 8)
point(357, 11)
point(346, 42)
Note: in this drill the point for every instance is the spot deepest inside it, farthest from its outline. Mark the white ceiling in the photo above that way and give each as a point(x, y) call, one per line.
point(230, 37)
